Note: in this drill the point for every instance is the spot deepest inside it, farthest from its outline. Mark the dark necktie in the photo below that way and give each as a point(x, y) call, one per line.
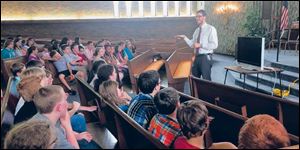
point(198, 41)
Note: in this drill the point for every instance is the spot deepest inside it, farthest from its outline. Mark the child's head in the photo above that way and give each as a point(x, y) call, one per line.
point(51, 100)
point(66, 49)
point(48, 47)
point(128, 44)
point(110, 91)
point(32, 50)
point(17, 68)
point(55, 55)
point(166, 101)
point(100, 51)
point(104, 73)
point(42, 135)
point(193, 118)
point(34, 63)
point(90, 45)
point(121, 45)
point(263, 132)
point(149, 82)
point(75, 48)
point(9, 44)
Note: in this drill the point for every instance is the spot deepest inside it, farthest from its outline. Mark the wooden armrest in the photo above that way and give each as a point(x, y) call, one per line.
point(155, 65)
point(183, 70)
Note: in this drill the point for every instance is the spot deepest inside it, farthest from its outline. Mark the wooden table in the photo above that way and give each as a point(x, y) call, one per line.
point(243, 71)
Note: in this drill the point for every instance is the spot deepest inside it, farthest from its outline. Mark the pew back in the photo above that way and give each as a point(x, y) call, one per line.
point(5, 100)
point(7, 63)
point(178, 68)
point(255, 103)
point(226, 124)
point(224, 127)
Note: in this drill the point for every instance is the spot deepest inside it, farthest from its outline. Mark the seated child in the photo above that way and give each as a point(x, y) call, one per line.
point(164, 125)
point(194, 121)
point(16, 70)
point(64, 70)
point(110, 91)
point(142, 108)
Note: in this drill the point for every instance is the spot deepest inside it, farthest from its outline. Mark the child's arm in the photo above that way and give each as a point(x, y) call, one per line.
point(88, 108)
point(74, 107)
point(70, 69)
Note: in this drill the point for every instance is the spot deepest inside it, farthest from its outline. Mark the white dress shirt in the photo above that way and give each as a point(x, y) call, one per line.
point(208, 39)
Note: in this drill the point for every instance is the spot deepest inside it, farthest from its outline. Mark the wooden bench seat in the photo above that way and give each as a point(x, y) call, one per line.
point(178, 68)
point(144, 62)
point(155, 65)
point(183, 70)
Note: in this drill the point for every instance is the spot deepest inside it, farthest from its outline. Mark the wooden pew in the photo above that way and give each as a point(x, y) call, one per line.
point(247, 103)
point(178, 68)
point(226, 124)
point(5, 100)
point(128, 133)
point(7, 63)
point(143, 62)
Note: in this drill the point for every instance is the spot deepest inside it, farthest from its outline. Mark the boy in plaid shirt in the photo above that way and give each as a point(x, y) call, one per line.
point(142, 107)
point(164, 125)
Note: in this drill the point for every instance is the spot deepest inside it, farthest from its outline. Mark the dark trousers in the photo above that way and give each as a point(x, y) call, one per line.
point(202, 66)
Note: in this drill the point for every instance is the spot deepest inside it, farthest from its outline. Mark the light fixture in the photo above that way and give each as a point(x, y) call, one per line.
point(227, 8)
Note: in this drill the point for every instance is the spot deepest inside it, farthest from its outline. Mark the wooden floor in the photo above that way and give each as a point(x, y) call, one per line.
point(101, 136)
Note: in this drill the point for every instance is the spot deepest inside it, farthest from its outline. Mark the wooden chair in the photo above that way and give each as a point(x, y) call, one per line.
point(283, 38)
point(178, 69)
point(293, 38)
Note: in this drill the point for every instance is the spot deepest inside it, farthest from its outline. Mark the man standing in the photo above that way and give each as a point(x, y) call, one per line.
point(204, 41)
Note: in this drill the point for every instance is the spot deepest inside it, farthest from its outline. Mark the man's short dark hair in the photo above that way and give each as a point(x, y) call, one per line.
point(192, 116)
point(202, 12)
point(34, 63)
point(16, 68)
point(147, 81)
point(166, 100)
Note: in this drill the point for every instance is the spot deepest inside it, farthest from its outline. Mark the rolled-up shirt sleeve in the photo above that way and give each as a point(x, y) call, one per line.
point(212, 40)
